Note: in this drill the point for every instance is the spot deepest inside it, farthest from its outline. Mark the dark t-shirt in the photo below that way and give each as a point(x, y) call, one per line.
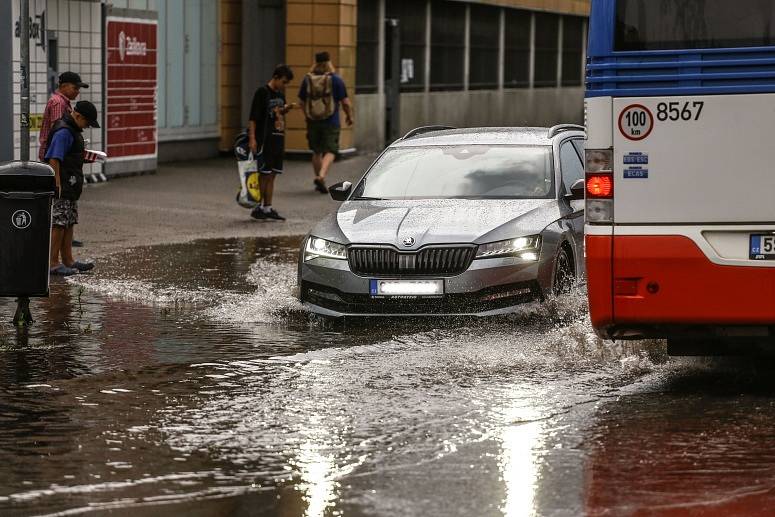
point(267, 112)
point(339, 90)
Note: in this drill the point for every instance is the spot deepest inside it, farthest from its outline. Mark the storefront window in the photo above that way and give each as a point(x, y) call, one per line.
point(546, 42)
point(517, 51)
point(448, 26)
point(572, 45)
point(368, 46)
point(411, 15)
point(485, 43)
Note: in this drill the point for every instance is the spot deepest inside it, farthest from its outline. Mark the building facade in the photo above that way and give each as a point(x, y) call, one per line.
point(177, 81)
point(462, 63)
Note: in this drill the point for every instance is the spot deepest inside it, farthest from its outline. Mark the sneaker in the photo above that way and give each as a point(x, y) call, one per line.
point(83, 266)
point(62, 270)
point(320, 186)
point(272, 214)
point(258, 213)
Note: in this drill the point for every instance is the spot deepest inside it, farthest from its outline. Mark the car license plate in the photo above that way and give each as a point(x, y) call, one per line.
point(762, 247)
point(406, 288)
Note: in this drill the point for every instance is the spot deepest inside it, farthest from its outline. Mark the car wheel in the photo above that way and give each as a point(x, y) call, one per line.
point(564, 276)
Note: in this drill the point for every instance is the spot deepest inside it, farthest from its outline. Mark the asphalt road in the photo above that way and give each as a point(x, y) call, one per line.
point(185, 201)
point(183, 377)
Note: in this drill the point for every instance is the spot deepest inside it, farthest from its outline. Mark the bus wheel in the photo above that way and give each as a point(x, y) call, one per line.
point(564, 276)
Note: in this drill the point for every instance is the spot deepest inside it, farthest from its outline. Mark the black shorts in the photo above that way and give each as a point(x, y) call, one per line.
point(274, 153)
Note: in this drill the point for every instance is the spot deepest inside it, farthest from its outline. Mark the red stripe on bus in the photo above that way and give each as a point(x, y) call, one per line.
point(678, 284)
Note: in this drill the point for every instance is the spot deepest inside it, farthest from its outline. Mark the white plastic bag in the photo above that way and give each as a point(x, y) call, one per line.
point(249, 195)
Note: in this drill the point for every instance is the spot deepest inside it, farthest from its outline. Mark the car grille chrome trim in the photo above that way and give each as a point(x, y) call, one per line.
point(431, 260)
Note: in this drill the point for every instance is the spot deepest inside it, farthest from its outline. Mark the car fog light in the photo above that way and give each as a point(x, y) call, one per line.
point(530, 256)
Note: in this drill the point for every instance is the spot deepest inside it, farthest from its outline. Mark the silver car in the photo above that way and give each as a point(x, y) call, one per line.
point(452, 222)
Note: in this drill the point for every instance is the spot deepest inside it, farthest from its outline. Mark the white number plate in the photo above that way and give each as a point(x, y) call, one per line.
point(762, 247)
point(413, 288)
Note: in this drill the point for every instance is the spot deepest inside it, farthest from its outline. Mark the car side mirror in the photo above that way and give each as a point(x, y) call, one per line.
point(577, 190)
point(340, 191)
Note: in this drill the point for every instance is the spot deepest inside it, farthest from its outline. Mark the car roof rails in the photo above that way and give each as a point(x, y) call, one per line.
point(559, 128)
point(425, 129)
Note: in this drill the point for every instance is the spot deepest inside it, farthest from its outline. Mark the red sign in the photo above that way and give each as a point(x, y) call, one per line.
point(131, 88)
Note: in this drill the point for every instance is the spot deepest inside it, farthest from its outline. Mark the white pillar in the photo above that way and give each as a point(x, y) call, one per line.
point(381, 47)
point(467, 51)
point(427, 64)
point(531, 72)
point(560, 41)
point(501, 49)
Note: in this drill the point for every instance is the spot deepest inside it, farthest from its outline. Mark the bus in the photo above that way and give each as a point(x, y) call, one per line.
point(680, 172)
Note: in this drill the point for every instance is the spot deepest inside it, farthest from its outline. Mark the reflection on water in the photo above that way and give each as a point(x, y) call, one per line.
point(702, 445)
point(189, 375)
point(519, 462)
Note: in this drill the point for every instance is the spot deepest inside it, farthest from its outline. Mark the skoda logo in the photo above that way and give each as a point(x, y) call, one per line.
point(409, 241)
point(21, 219)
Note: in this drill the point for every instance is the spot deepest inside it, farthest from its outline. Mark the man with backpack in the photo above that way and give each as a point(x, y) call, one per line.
point(266, 130)
point(321, 93)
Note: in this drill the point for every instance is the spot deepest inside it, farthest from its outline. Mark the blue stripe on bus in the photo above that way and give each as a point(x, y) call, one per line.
point(671, 72)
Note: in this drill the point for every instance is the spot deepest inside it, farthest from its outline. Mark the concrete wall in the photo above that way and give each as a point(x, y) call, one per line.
point(518, 107)
point(263, 46)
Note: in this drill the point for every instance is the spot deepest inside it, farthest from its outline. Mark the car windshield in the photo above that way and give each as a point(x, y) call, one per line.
point(461, 172)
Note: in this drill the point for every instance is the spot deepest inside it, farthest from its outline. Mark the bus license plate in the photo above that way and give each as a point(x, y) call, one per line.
point(406, 288)
point(762, 247)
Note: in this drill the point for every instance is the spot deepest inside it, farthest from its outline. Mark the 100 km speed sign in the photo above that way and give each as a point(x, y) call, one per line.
point(636, 122)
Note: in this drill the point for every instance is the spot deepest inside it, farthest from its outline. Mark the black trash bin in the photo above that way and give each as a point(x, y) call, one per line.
point(26, 190)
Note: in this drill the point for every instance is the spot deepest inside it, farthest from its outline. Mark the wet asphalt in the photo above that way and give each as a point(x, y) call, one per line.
point(186, 379)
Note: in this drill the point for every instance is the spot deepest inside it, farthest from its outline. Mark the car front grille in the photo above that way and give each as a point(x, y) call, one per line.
point(433, 260)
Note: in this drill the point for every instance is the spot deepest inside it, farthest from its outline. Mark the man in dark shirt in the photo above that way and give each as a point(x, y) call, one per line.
point(266, 129)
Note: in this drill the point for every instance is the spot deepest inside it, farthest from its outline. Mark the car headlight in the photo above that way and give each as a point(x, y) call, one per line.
point(526, 248)
point(317, 247)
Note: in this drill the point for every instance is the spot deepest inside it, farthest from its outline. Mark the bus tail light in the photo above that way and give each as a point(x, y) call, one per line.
point(600, 185)
point(599, 182)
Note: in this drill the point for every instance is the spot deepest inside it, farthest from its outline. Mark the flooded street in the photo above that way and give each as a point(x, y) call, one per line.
point(188, 379)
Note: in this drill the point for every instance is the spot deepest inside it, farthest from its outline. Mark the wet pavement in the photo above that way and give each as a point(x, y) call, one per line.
point(188, 379)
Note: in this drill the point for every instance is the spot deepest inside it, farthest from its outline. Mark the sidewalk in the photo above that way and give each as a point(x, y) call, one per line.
point(187, 201)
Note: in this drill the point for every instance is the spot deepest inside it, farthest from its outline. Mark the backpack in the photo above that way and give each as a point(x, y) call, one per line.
point(319, 104)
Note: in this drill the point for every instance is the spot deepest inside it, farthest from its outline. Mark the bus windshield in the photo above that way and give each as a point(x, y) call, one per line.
point(694, 24)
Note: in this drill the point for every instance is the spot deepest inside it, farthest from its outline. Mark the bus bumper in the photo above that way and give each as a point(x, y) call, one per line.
point(665, 287)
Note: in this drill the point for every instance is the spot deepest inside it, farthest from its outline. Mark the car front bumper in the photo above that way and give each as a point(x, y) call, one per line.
point(489, 287)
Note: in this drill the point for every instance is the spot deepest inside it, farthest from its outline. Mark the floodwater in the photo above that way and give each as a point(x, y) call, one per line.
point(188, 379)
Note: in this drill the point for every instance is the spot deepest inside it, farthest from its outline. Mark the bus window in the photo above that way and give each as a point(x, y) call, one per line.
point(694, 24)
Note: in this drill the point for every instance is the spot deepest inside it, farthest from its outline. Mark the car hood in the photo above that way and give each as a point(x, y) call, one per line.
point(438, 221)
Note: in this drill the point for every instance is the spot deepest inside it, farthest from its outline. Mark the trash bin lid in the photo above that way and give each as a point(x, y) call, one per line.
point(26, 177)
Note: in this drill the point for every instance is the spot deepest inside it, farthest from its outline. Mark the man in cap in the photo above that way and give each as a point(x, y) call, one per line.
point(65, 154)
point(321, 93)
point(58, 106)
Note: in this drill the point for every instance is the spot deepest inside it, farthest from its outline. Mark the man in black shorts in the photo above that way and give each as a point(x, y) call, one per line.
point(266, 128)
